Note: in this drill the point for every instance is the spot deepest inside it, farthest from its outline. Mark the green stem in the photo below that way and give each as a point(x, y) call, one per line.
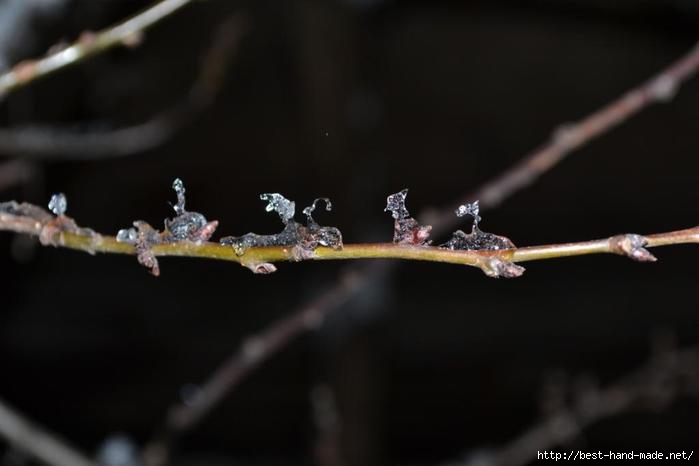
point(52, 233)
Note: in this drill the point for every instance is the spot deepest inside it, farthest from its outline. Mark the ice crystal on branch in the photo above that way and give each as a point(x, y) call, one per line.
point(281, 205)
point(477, 239)
point(471, 209)
point(58, 204)
point(406, 230)
point(303, 238)
point(185, 226)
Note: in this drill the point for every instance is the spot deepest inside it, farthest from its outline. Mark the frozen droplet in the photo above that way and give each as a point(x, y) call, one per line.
point(127, 235)
point(118, 450)
point(471, 209)
point(395, 203)
point(279, 204)
point(178, 186)
point(58, 204)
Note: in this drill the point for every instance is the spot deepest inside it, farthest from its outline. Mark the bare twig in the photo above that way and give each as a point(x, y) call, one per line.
point(668, 375)
point(36, 442)
point(49, 141)
point(529, 169)
point(125, 33)
point(61, 231)
point(569, 137)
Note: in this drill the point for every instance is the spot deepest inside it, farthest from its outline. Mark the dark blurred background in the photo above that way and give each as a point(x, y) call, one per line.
point(354, 100)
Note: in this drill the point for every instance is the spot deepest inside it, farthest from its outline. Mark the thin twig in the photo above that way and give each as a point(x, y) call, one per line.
point(61, 231)
point(667, 376)
point(36, 442)
point(658, 89)
point(571, 136)
point(53, 142)
point(124, 33)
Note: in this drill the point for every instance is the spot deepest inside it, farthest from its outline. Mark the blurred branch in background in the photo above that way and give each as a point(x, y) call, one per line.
point(18, 25)
point(127, 33)
point(670, 374)
point(37, 443)
point(37, 142)
point(660, 88)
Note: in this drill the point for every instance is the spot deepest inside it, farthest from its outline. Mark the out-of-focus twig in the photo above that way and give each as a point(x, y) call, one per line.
point(569, 137)
point(660, 88)
point(668, 375)
point(124, 33)
point(327, 448)
point(39, 142)
point(36, 442)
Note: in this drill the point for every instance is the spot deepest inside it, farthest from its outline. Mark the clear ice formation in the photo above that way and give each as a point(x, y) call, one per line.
point(477, 239)
point(307, 237)
point(406, 230)
point(185, 226)
point(281, 205)
point(58, 204)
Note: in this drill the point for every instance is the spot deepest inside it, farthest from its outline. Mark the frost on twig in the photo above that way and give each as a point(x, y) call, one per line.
point(406, 230)
point(51, 228)
point(477, 239)
point(480, 240)
point(185, 226)
point(303, 239)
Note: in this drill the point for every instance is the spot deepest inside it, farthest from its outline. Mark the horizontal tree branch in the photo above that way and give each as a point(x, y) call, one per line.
point(125, 33)
point(61, 231)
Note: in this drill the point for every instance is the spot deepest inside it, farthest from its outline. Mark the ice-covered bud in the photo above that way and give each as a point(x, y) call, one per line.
point(58, 204)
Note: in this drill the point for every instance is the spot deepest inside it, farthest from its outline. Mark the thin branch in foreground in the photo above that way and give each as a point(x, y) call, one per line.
point(36, 442)
point(233, 371)
point(125, 33)
point(53, 142)
point(187, 234)
point(668, 375)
